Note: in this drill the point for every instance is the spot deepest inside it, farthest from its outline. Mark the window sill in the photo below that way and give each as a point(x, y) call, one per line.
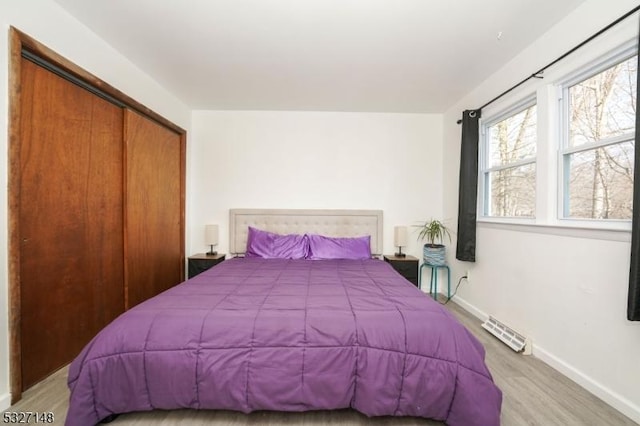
point(565, 229)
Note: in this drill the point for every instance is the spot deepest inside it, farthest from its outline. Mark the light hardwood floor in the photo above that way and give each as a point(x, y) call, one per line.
point(533, 394)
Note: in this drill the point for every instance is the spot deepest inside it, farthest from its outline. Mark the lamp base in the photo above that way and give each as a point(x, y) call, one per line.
point(400, 254)
point(211, 252)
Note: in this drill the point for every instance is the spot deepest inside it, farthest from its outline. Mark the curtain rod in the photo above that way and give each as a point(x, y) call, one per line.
point(538, 74)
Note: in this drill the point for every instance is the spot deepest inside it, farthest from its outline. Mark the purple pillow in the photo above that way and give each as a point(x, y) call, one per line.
point(321, 247)
point(275, 246)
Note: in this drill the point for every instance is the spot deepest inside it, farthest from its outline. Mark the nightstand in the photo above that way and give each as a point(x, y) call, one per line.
point(200, 262)
point(406, 266)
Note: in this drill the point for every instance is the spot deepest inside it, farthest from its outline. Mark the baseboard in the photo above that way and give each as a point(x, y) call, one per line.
point(5, 401)
point(470, 308)
point(615, 400)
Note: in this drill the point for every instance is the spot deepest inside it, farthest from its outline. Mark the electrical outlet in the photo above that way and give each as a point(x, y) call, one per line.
point(468, 274)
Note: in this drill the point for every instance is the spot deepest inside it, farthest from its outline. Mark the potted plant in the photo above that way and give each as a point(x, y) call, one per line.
point(434, 232)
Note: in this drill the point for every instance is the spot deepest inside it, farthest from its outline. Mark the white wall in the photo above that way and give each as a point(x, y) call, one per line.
point(48, 23)
point(334, 160)
point(566, 290)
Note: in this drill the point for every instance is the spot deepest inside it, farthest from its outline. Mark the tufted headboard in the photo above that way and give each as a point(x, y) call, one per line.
point(333, 223)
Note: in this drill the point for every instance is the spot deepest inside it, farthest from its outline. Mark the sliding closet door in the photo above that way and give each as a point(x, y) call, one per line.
point(70, 219)
point(154, 200)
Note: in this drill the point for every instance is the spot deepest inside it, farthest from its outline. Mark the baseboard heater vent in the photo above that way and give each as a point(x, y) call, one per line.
point(507, 335)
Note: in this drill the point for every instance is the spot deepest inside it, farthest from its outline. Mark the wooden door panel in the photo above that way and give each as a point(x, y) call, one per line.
point(70, 219)
point(154, 208)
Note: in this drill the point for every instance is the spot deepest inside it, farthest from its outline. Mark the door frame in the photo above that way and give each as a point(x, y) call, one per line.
point(19, 42)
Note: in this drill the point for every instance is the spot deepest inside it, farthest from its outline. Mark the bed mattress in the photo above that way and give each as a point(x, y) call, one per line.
point(288, 335)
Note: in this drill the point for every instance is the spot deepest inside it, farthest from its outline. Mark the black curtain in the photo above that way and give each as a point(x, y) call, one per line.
point(633, 305)
point(468, 190)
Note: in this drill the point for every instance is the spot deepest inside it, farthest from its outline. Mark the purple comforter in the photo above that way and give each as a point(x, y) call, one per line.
point(288, 335)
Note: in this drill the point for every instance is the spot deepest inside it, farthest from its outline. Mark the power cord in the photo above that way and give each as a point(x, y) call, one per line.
point(464, 277)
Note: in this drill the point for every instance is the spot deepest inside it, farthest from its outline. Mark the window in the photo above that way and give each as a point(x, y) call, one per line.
point(597, 154)
point(559, 152)
point(508, 167)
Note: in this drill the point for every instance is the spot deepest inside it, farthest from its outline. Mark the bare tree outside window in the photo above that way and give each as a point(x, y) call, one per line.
point(510, 169)
point(599, 158)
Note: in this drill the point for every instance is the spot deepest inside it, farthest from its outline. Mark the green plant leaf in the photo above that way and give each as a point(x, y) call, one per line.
point(434, 232)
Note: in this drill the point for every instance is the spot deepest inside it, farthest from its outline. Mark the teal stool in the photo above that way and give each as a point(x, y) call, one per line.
point(433, 285)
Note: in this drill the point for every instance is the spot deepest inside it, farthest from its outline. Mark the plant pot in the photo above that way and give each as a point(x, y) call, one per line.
point(434, 254)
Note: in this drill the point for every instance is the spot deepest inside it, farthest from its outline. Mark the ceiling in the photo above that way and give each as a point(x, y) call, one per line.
point(320, 55)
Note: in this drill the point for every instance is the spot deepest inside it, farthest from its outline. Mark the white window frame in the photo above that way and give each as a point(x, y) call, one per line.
point(551, 139)
point(615, 56)
point(486, 168)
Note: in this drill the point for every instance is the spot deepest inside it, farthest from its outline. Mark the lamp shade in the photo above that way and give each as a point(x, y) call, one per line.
point(211, 235)
point(400, 236)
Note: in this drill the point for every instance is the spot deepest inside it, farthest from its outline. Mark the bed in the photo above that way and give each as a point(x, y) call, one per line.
point(289, 334)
